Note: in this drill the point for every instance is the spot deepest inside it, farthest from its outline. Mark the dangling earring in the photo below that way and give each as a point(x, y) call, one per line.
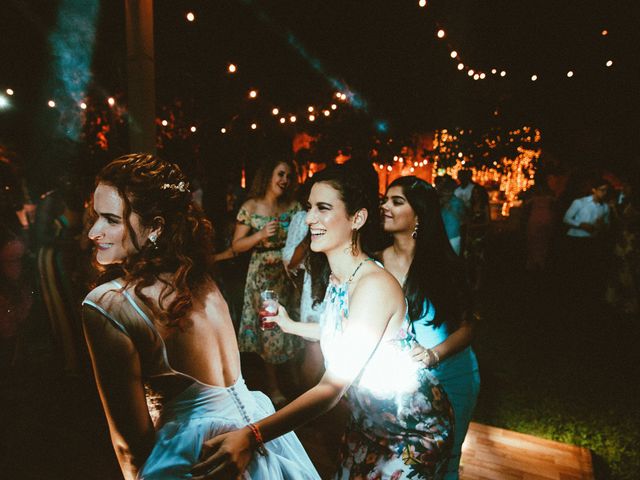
point(354, 241)
point(414, 234)
point(153, 238)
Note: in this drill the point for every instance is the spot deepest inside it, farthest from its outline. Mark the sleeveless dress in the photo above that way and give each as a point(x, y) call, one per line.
point(266, 271)
point(200, 411)
point(401, 424)
point(458, 375)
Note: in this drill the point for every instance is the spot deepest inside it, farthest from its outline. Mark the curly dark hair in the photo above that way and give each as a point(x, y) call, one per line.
point(151, 187)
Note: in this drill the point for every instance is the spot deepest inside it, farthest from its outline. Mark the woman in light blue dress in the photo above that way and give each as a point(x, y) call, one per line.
point(432, 277)
point(161, 340)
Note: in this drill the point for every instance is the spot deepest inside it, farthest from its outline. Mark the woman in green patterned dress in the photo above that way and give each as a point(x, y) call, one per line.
point(262, 225)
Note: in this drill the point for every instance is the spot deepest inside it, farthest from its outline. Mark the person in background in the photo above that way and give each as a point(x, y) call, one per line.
point(162, 344)
point(401, 423)
point(262, 225)
point(463, 191)
point(438, 295)
point(541, 223)
point(452, 210)
point(587, 219)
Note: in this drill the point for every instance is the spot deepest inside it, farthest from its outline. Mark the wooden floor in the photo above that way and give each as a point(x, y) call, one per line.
point(494, 454)
point(488, 453)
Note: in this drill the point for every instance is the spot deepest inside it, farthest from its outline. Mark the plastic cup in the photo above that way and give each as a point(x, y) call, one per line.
point(268, 308)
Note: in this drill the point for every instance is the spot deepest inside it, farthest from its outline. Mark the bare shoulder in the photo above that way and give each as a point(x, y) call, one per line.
point(378, 285)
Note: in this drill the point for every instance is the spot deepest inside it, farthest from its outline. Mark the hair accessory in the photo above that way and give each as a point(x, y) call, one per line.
point(180, 187)
point(257, 435)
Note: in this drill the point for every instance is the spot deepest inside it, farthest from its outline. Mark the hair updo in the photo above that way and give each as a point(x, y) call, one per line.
point(158, 192)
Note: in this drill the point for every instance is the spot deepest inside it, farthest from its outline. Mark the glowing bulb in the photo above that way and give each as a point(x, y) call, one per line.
point(339, 94)
point(482, 76)
point(253, 93)
point(9, 91)
point(381, 167)
point(534, 78)
point(461, 66)
point(232, 68)
point(193, 129)
point(609, 63)
point(476, 76)
point(389, 168)
point(191, 17)
point(569, 74)
point(111, 101)
point(412, 169)
point(282, 119)
point(440, 33)
point(333, 106)
point(605, 33)
point(164, 123)
point(254, 126)
point(310, 109)
point(453, 54)
point(292, 119)
point(503, 73)
point(51, 103)
point(343, 96)
point(460, 155)
point(326, 113)
point(312, 117)
point(422, 3)
point(494, 71)
point(223, 130)
point(83, 106)
point(275, 111)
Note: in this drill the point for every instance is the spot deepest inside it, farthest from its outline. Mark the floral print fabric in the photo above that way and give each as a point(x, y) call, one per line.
point(266, 271)
point(401, 424)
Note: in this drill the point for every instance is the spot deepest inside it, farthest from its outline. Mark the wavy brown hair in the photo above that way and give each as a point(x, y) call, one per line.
point(151, 187)
point(263, 177)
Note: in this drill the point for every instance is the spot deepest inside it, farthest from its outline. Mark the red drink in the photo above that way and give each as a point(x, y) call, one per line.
point(269, 308)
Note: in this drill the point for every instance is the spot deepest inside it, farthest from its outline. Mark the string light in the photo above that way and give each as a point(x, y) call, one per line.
point(190, 16)
point(223, 130)
point(461, 66)
point(503, 73)
point(254, 126)
point(422, 3)
point(604, 33)
point(569, 74)
point(83, 105)
point(494, 71)
point(326, 113)
point(275, 111)
point(283, 120)
point(453, 54)
point(312, 117)
point(292, 119)
point(193, 129)
point(609, 63)
point(534, 78)
point(164, 123)
point(232, 68)
point(333, 106)
point(51, 103)
point(482, 76)
point(440, 33)
point(9, 91)
point(111, 101)
point(253, 93)
point(470, 72)
point(310, 109)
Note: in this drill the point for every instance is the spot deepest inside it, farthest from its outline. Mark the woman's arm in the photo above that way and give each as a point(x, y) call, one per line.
point(309, 330)
point(116, 366)
point(242, 241)
point(369, 315)
point(454, 343)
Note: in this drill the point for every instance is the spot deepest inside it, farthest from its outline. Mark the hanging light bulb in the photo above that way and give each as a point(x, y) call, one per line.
point(440, 33)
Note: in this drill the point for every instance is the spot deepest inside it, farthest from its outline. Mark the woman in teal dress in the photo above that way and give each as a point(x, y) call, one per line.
point(401, 423)
point(432, 277)
point(262, 225)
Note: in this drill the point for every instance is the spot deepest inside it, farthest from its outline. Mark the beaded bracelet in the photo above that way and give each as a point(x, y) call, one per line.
point(258, 438)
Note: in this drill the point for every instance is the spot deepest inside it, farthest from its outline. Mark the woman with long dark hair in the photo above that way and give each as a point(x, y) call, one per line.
point(262, 225)
point(162, 344)
point(401, 421)
point(433, 279)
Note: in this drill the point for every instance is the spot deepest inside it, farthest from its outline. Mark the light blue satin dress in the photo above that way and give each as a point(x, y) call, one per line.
point(459, 376)
point(200, 411)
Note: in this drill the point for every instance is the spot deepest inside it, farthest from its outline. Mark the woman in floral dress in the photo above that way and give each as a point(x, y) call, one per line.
point(262, 225)
point(401, 424)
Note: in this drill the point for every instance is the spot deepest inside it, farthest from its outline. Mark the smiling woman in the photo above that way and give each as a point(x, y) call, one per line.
point(161, 340)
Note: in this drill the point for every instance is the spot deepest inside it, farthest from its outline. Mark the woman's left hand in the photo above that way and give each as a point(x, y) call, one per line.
point(420, 354)
point(225, 456)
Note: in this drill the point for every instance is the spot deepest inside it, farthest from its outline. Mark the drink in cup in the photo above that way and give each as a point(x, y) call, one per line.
point(268, 308)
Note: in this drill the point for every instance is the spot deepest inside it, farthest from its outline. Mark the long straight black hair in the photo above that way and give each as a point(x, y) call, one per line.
point(436, 274)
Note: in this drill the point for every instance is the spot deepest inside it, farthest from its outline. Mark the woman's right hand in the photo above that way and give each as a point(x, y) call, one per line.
point(282, 319)
point(269, 229)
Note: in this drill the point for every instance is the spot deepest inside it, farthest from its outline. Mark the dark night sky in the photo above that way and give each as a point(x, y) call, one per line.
point(386, 51)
